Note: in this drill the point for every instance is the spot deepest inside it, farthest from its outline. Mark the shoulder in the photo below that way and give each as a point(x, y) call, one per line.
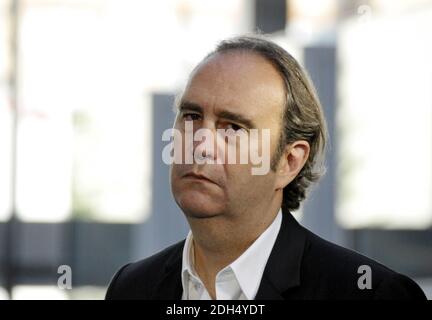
point(134, 280)
point(346, 274)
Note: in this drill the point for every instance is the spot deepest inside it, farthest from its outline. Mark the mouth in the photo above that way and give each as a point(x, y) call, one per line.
point(198, 176)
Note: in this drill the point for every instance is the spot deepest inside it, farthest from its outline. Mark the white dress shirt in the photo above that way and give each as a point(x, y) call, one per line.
point(238, 281)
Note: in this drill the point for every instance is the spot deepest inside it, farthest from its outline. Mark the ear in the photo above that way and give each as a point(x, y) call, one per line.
point(292, 161)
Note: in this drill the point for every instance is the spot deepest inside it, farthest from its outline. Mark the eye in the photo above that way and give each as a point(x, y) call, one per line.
point(191, 116)
point(235, 127)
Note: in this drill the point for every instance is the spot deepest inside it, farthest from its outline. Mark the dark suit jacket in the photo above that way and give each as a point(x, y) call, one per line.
point(301, 266)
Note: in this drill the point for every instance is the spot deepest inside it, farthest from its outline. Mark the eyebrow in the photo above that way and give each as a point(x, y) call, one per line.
point(228, 115)
point(190, 106)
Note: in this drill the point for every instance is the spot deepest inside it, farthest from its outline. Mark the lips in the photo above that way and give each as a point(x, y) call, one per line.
point(198, 176)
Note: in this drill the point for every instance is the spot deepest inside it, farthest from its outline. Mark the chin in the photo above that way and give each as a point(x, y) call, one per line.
point(200, 206)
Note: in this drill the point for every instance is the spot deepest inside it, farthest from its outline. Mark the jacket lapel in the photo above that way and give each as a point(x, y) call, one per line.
point(170, 286)
point(282, 271)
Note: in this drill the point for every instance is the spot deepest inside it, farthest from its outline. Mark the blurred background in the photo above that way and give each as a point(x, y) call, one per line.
point(86, 90)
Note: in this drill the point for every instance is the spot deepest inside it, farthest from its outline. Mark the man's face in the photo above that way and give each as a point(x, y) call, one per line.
point(235, 90)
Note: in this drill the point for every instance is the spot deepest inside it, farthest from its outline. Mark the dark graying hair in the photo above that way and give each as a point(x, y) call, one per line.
point(302, 119)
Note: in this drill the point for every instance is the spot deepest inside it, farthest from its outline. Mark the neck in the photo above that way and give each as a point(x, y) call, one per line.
point(220, 240)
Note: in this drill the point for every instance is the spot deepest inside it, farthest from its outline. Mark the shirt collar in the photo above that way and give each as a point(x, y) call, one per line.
point(248, 268)
point(187, 261)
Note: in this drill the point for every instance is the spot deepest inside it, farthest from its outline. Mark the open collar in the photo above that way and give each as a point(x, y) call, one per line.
point(281, 273)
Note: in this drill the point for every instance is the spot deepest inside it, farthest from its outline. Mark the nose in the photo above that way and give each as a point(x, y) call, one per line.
point(205, 145)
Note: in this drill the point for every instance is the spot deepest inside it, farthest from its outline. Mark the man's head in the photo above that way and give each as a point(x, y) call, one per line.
point(249, 83)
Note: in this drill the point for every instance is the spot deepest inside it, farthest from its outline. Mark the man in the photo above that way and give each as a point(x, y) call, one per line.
point(244, 243)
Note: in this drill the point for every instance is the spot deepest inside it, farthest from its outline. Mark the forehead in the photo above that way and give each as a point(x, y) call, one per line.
point(237, 81)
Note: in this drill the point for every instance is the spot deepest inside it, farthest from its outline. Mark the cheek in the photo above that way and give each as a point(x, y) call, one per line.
point(176, 171)
point(242, 184)
point(239, 179)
